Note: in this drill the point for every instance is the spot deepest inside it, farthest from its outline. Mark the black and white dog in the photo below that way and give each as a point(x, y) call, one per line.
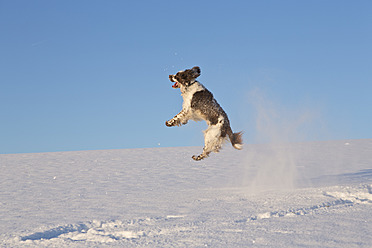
point(199, 104)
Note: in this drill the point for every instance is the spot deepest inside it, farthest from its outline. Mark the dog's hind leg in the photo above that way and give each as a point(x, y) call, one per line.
point(213, 141)
point(200, 157)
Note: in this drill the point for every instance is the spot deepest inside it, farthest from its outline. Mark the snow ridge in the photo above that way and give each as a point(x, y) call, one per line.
point(346, 198)
point(94, 231)
point(56, 232)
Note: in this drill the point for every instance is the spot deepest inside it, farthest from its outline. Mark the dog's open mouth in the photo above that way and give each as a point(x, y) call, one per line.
point(172, 79)
point(175, 85)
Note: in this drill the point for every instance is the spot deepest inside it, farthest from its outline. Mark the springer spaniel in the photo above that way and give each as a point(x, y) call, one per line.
point(199, 104)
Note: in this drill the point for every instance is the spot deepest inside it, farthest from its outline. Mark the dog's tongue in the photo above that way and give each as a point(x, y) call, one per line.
point(175, 85)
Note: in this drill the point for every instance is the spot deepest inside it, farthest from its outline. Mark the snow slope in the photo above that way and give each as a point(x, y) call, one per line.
point(316, 194)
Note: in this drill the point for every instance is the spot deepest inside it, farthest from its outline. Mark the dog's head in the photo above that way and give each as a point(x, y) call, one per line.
point(185, 78)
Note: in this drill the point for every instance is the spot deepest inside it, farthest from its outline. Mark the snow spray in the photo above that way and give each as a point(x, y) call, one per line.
point(272, 163)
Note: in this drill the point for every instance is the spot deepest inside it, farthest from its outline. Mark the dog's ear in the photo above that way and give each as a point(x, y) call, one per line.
point(196, 71)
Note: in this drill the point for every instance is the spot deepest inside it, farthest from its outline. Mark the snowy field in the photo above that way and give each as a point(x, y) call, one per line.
point(315, 194)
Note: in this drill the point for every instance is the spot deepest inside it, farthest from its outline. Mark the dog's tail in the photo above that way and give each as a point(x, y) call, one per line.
point(236, 139)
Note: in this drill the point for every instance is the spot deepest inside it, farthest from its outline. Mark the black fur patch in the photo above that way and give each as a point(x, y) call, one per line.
point(209, 108)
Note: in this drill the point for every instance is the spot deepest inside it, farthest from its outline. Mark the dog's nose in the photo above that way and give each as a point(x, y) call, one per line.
point(171, 78)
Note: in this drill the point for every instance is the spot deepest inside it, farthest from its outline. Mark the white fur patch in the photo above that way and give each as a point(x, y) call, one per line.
point(188, 92)
point(212, 136)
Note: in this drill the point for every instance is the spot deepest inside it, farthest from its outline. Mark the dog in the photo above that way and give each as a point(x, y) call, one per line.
point(199, 104)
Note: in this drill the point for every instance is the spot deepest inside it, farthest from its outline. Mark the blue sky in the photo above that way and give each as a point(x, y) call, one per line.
point(84, 75)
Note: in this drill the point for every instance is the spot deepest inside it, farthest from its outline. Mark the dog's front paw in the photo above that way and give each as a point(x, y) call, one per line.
point(169, 123)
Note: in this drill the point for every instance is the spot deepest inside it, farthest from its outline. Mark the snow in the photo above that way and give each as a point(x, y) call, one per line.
point(314, 194)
